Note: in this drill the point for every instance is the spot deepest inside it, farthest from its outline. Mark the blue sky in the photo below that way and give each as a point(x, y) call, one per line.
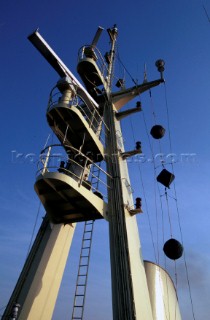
point(177, 31)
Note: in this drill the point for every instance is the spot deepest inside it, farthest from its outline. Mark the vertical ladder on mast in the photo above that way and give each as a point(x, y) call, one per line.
point(84, 260)
point(82, 276)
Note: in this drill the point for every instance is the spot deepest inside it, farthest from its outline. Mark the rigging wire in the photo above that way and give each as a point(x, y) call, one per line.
point(157, 221)
point(168, 209)
point(175, 198)
point(152, 106)
point(176, 285)
point(161, 208)
point(145, 200)
point(160, 196)
point(39, 207)
point(34, 228)
point(155, 168)
point(176, 202)
point(162, 162)
point(206, 13)
point(120, 61)
point(155, 174)
point(155, 122)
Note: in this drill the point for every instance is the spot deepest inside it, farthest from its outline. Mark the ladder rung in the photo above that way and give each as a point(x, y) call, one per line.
point(78, 306)
point(79, 296)
point(80, 285)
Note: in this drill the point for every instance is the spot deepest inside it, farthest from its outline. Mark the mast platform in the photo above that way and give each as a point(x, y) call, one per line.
point(74, 128)
point(67, 201)
point(88, 69)
point(92, 70)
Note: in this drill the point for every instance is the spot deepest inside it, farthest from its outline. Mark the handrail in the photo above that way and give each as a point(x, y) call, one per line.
point(99, 59)
point(88, 110)
point(75, 164)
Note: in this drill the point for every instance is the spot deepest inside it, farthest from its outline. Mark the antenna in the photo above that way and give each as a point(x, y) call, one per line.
point(97, 36)
point(206, 13)
point(145, 73)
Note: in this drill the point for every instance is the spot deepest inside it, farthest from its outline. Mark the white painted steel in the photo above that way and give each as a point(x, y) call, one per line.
point(132, 301)
point(47, 51)
point(44, 287)
point(162, 293)
point(69, 184)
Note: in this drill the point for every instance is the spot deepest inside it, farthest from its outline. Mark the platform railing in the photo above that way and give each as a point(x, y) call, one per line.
point(96, 55)
point(88, 110)
point(74, 164)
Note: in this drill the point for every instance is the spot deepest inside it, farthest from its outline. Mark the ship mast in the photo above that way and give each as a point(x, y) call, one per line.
point(123, 298)
point(69, 198)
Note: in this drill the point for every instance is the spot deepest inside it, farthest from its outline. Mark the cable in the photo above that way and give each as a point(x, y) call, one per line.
point(155, 174)
point(120, 61)
point(35, 224)
point(169, 217)
point(145, 200)
point(176, 201)
point(206, 13)
point(166, 194)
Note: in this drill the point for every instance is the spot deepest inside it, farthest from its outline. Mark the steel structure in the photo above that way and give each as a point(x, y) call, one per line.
point(87, 125)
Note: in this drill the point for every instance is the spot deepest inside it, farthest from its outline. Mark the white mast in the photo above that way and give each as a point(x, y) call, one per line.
point(66, 195)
